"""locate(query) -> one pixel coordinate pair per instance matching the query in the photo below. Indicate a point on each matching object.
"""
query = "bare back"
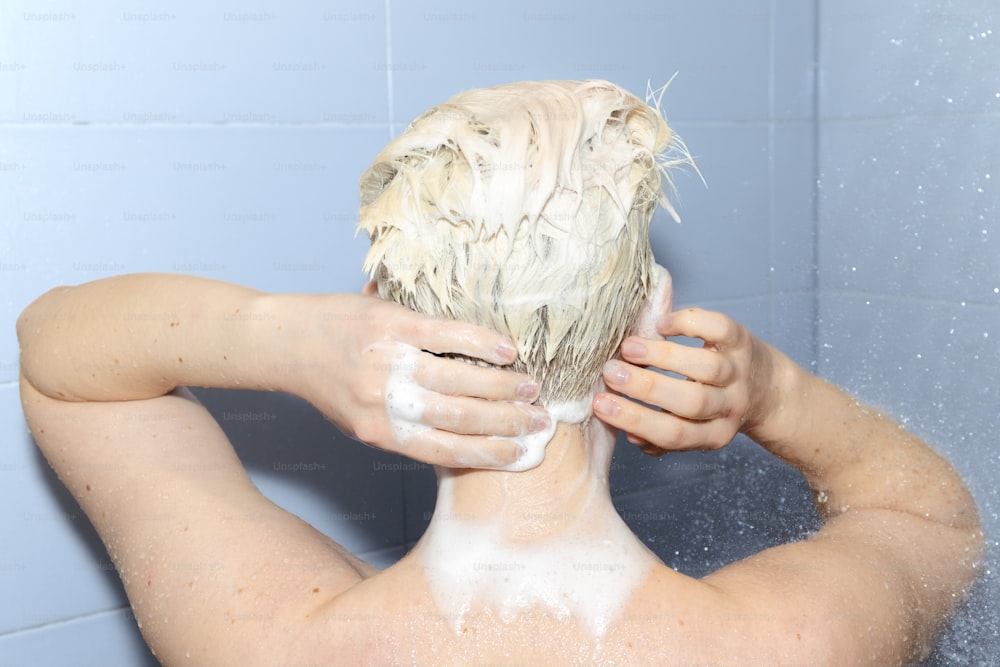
(280, 592)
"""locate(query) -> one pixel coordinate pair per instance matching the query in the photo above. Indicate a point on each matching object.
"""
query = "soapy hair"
(525, 208)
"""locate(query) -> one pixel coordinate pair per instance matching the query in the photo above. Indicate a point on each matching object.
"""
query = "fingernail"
(507, 352)
(539, 423)
(633, 348)
(527, 391)
(615, 373)
(605, 406)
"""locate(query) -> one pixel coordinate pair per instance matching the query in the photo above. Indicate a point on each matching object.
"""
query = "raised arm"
(212, 568)
(901, 537)
(853, 456)
(140, 336)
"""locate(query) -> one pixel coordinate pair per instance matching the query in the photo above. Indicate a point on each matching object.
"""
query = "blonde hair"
(525, 208)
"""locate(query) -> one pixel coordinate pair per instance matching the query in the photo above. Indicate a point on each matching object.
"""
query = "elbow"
(29, 322)
(36, 327)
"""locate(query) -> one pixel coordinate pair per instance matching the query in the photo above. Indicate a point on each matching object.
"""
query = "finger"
(471, 416)
(459, 378)
(635, 440)
(370, 288)
(699, 364)
(661, 430)
(450, 337)
(709, 326)
(451, 450)
(691, 400)
(651, 450)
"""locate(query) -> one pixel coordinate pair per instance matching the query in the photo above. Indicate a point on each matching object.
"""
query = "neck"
(541, 503)
(549, 537)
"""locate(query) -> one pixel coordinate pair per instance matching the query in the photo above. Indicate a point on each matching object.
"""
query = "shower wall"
(909, 245)
(226, 141)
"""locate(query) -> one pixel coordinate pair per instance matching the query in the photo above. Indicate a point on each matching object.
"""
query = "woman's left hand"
(703, 409)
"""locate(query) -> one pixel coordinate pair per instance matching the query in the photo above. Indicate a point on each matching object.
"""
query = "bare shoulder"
(212, 568)
(672, 620)
(870, 588)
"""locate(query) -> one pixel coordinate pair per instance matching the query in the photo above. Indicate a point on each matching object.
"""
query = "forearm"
(140, 336)
(852, 456)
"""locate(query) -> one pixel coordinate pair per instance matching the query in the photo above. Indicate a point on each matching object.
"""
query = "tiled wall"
(225, 139)
(909, 243)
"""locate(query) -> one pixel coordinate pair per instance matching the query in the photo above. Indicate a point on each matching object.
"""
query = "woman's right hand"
(372, 368)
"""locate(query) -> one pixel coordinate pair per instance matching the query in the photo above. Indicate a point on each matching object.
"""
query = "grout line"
(195, 124)
(389, 82)
(963, 116)
(290, 124)
(850, 293)
(771, 170)
(816, 166)
(732, 300)
(65, 621)
(914, 300)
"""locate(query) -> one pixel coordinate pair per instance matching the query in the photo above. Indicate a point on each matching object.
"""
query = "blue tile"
(272, 207)
(907, 207)
(794, 59)
(452, 47)
(298, 459)
(793, 327)
(793, 197)
(722, 248)
(887, 59)
(228, 62)
(419, 497)
(721, 507)
(109, 638)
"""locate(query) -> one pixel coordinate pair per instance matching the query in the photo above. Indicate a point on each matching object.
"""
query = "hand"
(382, 384)
(704, 411)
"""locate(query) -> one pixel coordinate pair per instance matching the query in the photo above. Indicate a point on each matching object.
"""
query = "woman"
(523, 209)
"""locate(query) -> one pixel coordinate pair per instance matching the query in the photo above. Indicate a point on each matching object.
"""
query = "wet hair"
(525, 208)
